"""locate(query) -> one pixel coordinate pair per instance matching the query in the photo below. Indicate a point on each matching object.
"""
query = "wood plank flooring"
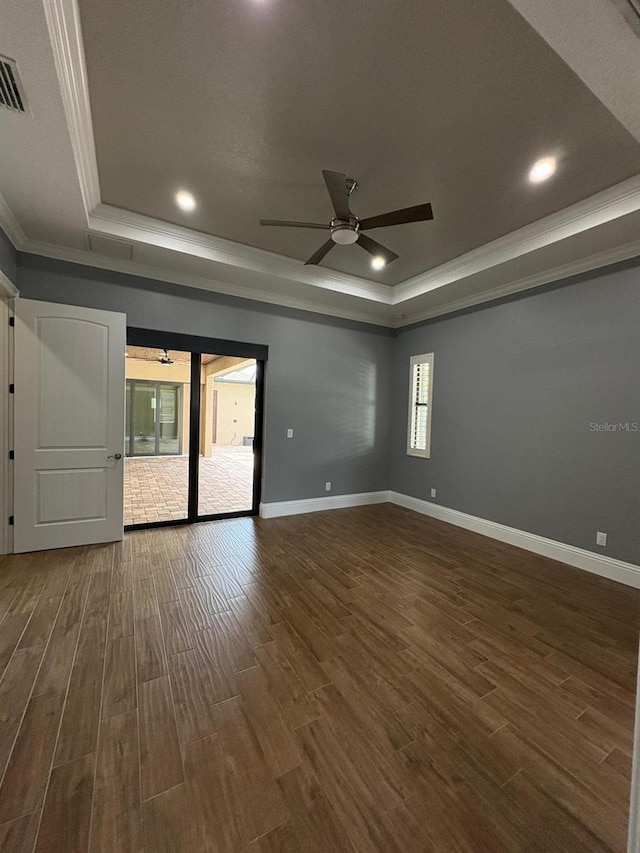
(364, 680)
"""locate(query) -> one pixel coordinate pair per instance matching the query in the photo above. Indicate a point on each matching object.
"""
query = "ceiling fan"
(164, 358)
(347, 228)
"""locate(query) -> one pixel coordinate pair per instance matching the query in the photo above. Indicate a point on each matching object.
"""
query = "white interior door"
(69, 425)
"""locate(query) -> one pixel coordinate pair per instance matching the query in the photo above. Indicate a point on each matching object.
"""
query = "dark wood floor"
(360, 680)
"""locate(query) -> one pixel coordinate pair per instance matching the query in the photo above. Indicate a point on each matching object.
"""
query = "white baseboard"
(279, 508)
(616, 570)
(598, 564)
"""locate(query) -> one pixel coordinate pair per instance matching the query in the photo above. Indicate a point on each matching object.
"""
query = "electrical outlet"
(433, 493)
(289, 433)
(601, 539)
(327, 486)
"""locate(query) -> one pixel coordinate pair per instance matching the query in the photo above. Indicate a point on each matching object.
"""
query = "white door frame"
(8, 291)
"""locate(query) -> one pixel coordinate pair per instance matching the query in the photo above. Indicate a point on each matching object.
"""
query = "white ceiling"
(51, 195)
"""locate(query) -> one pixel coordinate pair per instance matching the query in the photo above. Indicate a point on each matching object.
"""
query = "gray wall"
(328, 379)
(8, 258)
(516, 387)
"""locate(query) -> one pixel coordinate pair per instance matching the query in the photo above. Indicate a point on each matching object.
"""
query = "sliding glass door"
(228, 414)
(193, 429)
(153, 424)
(156, 468)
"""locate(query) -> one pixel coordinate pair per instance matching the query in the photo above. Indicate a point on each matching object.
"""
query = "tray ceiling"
(243, 103)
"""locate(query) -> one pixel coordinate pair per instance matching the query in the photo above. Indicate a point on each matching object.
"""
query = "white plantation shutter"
(420, 392)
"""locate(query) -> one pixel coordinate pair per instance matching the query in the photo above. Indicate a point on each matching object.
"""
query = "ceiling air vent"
(11, 93)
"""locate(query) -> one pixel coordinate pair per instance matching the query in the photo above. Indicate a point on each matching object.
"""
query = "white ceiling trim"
(563, 271)
(65, 34)
(620, 200)
(93, 259)
(612, 203)
(10, 225)
(593, 262)
(145, 229)
(7, 288)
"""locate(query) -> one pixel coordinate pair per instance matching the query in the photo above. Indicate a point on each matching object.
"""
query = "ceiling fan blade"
(419, 213)
(322, 251)
(337, 185)
(375, 248)
(284, 223)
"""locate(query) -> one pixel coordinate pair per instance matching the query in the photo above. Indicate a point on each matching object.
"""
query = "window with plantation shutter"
(420, 392)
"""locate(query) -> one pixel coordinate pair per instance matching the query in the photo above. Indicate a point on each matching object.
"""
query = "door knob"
(115, 456)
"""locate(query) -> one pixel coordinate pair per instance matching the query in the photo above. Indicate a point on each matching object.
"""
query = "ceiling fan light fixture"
(345, 229)
(344, 235)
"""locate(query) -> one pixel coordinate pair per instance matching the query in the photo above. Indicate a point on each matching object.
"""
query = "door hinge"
(12, 455)
(11, 521)
(12, 321)
(11, 388)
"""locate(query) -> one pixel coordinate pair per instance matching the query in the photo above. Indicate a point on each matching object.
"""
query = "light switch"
(289, 433)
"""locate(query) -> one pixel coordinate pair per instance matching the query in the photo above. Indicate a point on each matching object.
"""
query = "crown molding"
(620, 200)
(11, 226)
(583, 265)
(136, 227)
(130, 267)
(65, 35)
(7, 288)
(612, 203)
(92, 259)
(17, 236)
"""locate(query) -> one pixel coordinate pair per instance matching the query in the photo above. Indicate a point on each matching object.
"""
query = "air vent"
(109, 246)
(11, 93)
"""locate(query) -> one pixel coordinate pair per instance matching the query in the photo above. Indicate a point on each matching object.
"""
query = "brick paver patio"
(155, 487)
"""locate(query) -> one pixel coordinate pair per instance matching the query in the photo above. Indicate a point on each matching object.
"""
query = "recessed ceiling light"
(378, 262)
(185, 200)
(542, 169)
